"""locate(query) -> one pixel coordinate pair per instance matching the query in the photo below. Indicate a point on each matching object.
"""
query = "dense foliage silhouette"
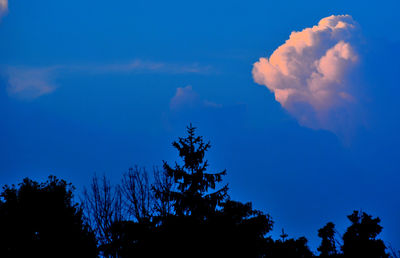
(288, 248)
(328, 242)
(41, 220)
(360, 238)
(181, 212)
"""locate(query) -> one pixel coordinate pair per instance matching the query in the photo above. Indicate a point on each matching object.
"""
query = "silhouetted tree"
(205, 223)
(283, 235)
(42, 220)
(193, 183)
(328, 245)
(103, 208)
(139, 197)
(360, 238)
(238, 230)
(162, 189)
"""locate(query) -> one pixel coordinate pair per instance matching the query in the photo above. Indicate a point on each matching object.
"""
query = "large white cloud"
(311, 73)
(3, 7)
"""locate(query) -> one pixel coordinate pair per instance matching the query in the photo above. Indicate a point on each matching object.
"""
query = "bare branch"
(103, 207)
(139, 198)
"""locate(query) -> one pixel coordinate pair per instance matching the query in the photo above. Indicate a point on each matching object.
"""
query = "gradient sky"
(99, 86)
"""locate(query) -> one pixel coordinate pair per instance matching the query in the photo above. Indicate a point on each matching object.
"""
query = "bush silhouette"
(41, 220)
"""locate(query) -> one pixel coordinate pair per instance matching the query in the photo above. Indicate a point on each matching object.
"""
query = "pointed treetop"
(193, 183)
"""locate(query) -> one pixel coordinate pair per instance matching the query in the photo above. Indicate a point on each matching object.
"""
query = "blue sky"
(99, 86)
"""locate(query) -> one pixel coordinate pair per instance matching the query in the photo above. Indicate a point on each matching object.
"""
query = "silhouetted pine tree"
(204, 222)
(193, 183)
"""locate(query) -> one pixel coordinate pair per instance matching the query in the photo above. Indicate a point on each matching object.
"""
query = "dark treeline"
(183, 211)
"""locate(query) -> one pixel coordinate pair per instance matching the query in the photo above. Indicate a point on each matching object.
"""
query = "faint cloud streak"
(140, 66)
(32, 82)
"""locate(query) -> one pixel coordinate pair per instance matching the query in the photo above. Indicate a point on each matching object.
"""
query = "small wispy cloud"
(30, 83)
(188, 105)
(3, 7)
(186, 98)
(33, 82)
(311, 73)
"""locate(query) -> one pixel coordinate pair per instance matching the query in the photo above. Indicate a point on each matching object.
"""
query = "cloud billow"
(311, 73)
